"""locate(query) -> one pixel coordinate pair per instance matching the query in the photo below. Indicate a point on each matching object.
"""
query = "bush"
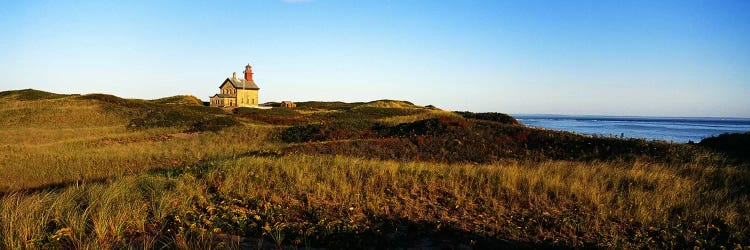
(203, 109)
(282, 112)
(180, 100)
(272, 104)
(370, 113)
(327, 105)
(303, 133)
(491, 116)
(347, 123)
(192, 120)
(734, 145)
(457, 140)
(276, 116)
(213, 124)
(168, 118)
(436, 126)
(110, 99)
(365, 115)
(327, 132)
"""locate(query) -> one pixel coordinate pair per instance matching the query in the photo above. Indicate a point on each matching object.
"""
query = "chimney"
(234, 75)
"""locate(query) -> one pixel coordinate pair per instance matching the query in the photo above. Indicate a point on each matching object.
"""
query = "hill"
(30, 94)
(187, 100)
(99, 171)
(38, 109)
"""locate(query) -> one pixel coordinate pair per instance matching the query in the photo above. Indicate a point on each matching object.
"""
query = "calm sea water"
(651, 128)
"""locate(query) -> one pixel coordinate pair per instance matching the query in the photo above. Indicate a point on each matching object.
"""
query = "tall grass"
(93, 183)
(91, 157)
(427, 114)
(70, 140)
(302, 199)
(68, 112)
(576, 203)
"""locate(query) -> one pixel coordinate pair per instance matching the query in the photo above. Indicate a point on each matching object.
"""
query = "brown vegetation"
(75, 173)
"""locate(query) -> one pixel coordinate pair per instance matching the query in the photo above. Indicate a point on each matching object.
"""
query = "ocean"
(675, 129)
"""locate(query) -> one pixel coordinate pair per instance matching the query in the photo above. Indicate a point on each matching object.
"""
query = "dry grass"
(561, 203)
(93, 184)
(68, 112)
(95, 156)
(388, 104)
(68, 140)
(428, 114)
(598, 197)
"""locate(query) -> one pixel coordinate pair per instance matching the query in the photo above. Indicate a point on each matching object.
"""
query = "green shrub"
(203, 109)
(110, 99)
(178, 111)
(328, 131)
(271, 104)
(364, 114)
(168, 118)
(213, 124)
(370, 113)
(456, 140)
(188, 100)
(491, 116)
(276, 116)
(303, 133)
(436, 126)
(184, 118)
(734, 145)
(313, 105)
(281, 112)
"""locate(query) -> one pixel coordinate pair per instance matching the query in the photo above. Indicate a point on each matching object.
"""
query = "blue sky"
(653, 58)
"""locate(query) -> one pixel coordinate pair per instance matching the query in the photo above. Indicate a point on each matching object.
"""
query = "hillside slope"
(38, 109)
(97, 171)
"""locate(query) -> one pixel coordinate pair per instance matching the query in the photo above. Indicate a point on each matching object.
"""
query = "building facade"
(288, 104)
(237, 92)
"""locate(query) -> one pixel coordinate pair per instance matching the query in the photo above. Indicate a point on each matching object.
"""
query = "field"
(101, 172)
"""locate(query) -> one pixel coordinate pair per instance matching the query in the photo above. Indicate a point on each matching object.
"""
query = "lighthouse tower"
(249, 73)
(237, 92)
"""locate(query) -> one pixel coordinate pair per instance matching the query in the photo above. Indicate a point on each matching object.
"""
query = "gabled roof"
(223, 96)
(240, 83)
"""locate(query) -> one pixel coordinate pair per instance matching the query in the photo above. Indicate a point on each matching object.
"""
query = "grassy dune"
(99, 172)
(73, 139)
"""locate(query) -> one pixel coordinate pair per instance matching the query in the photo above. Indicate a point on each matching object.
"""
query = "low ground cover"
(75, 173)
